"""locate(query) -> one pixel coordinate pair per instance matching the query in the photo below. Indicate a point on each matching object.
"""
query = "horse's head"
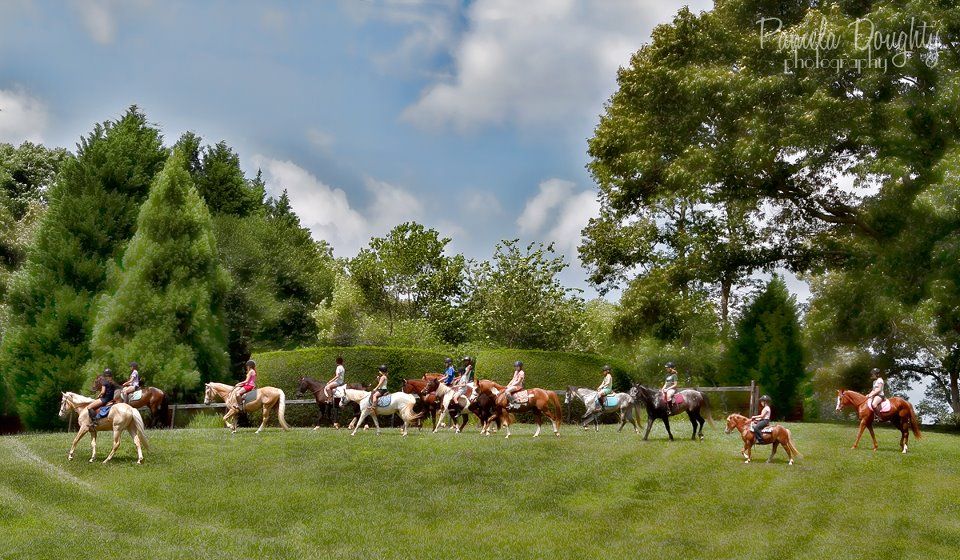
(208, 394)
(303, 386)
(432, 385)
(733, 423)
(636, 392)
(569, 395)
(64, 405)
(841, 399)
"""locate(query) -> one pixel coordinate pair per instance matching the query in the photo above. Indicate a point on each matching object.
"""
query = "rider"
(336, 380)
(669, 385)
(875, 396)
(605, 388)
(248, 384)
(131, 385)
(450, 372)
(516, 384)
(379, 389)
(107, 391)
(466, 377)
(762, 420)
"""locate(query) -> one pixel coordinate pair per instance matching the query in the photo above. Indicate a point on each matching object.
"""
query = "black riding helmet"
(251, 363)
(875, 372)
(108, 373)
(382, 368)
(448, 361)
(134, 365)
(670, 365)
(467, 359)
(518, 363)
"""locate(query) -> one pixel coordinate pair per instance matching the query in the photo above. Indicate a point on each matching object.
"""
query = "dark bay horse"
(900, 413)
(428, 404)
(693, 402)
(328, 406)
(151, 398)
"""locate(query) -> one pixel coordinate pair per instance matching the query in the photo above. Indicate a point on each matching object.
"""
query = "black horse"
(693, 402)
(329, 407)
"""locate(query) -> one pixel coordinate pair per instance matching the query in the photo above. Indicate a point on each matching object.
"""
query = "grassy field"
(304, 494)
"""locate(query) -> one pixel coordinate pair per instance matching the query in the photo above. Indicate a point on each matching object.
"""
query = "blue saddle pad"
(384, 401)
(135, 396)
(104, 411)
(611, 401)
(250, 397)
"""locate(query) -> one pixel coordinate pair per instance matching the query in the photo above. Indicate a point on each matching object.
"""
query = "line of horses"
(430, 397)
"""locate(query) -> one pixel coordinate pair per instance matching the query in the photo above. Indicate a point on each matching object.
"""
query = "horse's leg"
(436, 424)
(623, 421)
(631, 412)
(359, 421)
(539, 418)
(73, 446)
(93, 445)
(136, 442)
(507, 425)
(649, 425)
(773, 451)
(264, 416)
(863, 426)
(693, 421)
(873, 436)
(666, 422)
(376, 421)
(748, 451)
(117, 431)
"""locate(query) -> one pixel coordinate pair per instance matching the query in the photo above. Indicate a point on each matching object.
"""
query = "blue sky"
(471, 117)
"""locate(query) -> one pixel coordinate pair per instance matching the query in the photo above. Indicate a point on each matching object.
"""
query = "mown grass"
(304, 494)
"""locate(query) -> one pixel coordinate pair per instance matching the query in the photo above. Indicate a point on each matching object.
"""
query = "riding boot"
(93, 418)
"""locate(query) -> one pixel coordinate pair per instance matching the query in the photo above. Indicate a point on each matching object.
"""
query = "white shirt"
(878, 387)
(339, 375)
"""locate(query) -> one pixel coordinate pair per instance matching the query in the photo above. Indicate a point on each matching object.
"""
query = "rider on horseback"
(464, 380)
(875, 396)
(131, 385)
(669, 385)
(516, 384)
(379, 389)
(450, 372)
(248, 384)
(761, 420)
(605, 388)
(337, 379)
(107, 391)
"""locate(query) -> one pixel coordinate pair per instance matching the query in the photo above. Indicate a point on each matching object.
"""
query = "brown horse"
(151, 398)
(777, 436)
(901, 414)
(540, 402)
(491, 389)
(325, 404)
(428, 398)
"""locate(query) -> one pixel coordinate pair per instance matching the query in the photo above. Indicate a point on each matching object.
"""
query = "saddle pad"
(522, 396)
(384, 400)
(104, 411)
(884, 406)
(136, 395)
(767, 430)
(678, 399)
(250, 397)
(611, 401)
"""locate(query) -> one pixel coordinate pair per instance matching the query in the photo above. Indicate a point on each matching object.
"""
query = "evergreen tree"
(92, 213)
(221, 183)
(166, 306)
(768, 348)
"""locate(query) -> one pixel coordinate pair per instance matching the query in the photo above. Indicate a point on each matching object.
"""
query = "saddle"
(677, 400)
(384, 401)
(763, 438)
(250, 396)
(884, 406)
(103, 412)
(134, 396)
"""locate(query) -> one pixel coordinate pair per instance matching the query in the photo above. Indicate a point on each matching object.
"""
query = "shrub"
(554, 370)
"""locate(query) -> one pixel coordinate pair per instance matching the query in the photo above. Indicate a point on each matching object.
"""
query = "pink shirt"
(517, 380)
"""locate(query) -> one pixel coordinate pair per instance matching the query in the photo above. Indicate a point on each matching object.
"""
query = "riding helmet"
(134, 365)
(875, 371)
(251, 363)
(382, 368)
(107, 372)
(670, 365)
(606, 368)
(518, 363)
(448, 360)
(765, 398)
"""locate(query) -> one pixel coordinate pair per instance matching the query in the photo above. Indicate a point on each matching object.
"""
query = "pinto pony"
(540, 402)
(267, 399)
(901, 414)
(778, 436)
(121, 417)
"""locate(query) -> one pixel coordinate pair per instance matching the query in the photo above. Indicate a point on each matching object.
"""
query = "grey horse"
(626, 407)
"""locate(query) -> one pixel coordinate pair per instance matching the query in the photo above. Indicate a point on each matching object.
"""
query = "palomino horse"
(778, 436)
(400, 403)
(267, 398)
(900, 413)
(121, 417)
(625, 407)
(150, 397)
(328, 406)
(693, 402)
(540, 402)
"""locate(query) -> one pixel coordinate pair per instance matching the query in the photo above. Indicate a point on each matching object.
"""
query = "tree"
(516, 300)
(224, 188)
(165, 309)
(26, 173)
(768, 348)
(91, 215)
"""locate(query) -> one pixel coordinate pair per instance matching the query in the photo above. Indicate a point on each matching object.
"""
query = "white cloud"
(538, 62)
(98, 19)
(327, 211)
(320, 139)
(482, 203)
(22, 117)
(557, 213)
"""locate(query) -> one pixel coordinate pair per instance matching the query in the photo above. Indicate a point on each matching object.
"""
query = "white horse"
(400, 403)
(625, 407)
(446, 394)
(121, 417)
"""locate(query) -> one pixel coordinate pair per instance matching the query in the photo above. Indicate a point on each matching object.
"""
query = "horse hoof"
(746, 462)
(91, 459)
(790, 462)
(315, 428)
(69, 457)
(140, 461)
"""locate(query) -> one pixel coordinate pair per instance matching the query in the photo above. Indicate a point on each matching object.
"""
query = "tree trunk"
(725, 287)
(954, 392)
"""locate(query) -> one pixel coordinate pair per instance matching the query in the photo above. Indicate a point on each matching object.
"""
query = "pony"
(540, 402)
(150, 397)
(778, 436)
(400, 403)
(449, 405)
(693, 402)
(326, 406)
(625, 407)
(121, 417)
(266, 397)
(485, 408)
(428, 398)
(901, 414)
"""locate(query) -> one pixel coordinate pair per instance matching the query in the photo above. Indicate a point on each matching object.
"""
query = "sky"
(469, 117)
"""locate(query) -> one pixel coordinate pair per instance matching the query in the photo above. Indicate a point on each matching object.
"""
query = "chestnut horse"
(493, 390)
(901, 414)
(267, 398)
(540, 402)
(777, 436)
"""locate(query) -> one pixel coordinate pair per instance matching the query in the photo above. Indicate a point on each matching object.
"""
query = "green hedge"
(554, 370)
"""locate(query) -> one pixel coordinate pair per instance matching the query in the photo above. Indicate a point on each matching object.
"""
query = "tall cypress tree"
(165, 308)
(768, 347)
(92, 214)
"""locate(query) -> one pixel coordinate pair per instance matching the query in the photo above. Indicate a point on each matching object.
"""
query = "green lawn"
(305, 494)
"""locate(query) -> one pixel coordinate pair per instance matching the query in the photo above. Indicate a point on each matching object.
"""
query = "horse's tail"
(164, 410)
(914, 422)
(141, 430)
(790, 445)
(407, 413)
(708, 413)
(281, 410)
(557, 406)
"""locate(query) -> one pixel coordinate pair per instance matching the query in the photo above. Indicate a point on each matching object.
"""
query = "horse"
(400, 402)
(150, 397)
(418, 387)
(693, 402)
(326, 406)
(266, 397)
(625, 407)
(901, 414)
(449, 406)
(485, 408)
(540, 402)
(778, 435)
(121, 417)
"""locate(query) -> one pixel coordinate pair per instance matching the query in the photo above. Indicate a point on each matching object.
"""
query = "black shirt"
(108, 391)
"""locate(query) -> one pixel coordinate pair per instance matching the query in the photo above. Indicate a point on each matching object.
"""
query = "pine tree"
(768, 348)
(92, 214)
(166, 306)
(221, 183)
